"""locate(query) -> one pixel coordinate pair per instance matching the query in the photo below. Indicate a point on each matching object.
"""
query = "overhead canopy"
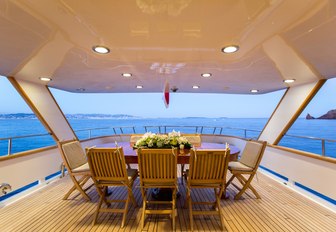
(174, 41)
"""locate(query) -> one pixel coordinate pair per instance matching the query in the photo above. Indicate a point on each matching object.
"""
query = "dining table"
(183, 157)
(131, 157)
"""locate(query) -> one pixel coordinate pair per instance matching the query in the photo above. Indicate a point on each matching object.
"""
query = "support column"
(288, 110)
(290, 64)
(43, 104)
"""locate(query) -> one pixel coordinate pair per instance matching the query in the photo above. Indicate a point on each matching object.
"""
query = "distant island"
(71, 116)
(331, 114)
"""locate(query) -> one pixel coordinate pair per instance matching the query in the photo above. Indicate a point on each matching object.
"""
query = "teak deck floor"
(279, 209)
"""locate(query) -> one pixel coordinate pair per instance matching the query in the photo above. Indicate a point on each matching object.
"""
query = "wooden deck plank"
(280, 209)
(299, 210)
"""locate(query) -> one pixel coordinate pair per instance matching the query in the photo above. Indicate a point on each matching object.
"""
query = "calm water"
(312, 128)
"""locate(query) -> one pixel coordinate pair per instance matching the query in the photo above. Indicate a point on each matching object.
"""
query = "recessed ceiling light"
(126, 74)
(80, 89)
(45, 79)
(289, 80)
(206, 74)
(254, 91)
(230, 49)
(101, 49)
(195, 87)
(139, 86)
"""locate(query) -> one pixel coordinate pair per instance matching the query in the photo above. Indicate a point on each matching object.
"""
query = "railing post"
(323, 147)
(9, 146)
(245, 134)
(122, 132)
(133, 130)
(221, 130)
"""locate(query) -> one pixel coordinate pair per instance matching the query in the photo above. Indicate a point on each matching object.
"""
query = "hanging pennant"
(166, 94)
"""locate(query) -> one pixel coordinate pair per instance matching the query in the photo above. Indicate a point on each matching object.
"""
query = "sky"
(150, 105)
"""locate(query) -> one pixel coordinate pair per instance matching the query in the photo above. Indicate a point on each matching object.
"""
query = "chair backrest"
(72, 153)
(208, 166)
(107, 164)
(253, 153)
(134, 138)
(157, 166)
(194, 139)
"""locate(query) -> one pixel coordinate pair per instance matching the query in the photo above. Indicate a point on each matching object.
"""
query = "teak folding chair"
(158, 169)
(207, 169)
(75, 161)
(108, 168)
(247, 165)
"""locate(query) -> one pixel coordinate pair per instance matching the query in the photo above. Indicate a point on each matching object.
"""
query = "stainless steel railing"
(240, 132)
(10, 140)
(322, 140)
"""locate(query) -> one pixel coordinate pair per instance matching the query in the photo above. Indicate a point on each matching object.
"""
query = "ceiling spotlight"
(206, 74)
(80, 89)
(101, 49)
(289, 80)
(126, 74)
(230, 49)
(45, 79)
(139, 87)
(195, 87)
(254, 91)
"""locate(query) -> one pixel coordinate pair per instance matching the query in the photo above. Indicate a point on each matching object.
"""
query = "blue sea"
(302, 127)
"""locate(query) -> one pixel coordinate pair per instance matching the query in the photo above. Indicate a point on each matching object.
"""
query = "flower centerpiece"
(173, 139)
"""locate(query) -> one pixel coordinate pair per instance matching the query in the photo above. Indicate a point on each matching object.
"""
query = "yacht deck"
(280, 209)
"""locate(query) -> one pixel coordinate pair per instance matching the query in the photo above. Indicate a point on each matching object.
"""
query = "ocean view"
(302, 127)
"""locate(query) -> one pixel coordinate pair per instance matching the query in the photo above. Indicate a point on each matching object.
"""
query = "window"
(20, 130)
(93, 115)
(319, 130)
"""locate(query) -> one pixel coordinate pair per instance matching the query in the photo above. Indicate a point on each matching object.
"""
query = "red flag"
(166, 94)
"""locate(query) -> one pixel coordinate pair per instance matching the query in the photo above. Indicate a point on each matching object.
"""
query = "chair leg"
(81, 182)
(78, 185)
(220, 211)
(131, 193)
(190, 213)
(187, 198)
(125, 210)
(103, 191)
(102, 198)
(182, 171)
(230, 180)
(246, 185)
(132, 198)
(173, 208)
(250, 185)
(143, 208)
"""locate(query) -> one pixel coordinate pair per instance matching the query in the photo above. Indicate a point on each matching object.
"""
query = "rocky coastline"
(331, 114)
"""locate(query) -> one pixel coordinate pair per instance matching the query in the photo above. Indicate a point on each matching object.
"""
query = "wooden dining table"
(183, 158)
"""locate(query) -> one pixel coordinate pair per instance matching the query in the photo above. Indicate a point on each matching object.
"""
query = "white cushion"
(74, 154)
(82, 168)
(238, 166)
(251, 153)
